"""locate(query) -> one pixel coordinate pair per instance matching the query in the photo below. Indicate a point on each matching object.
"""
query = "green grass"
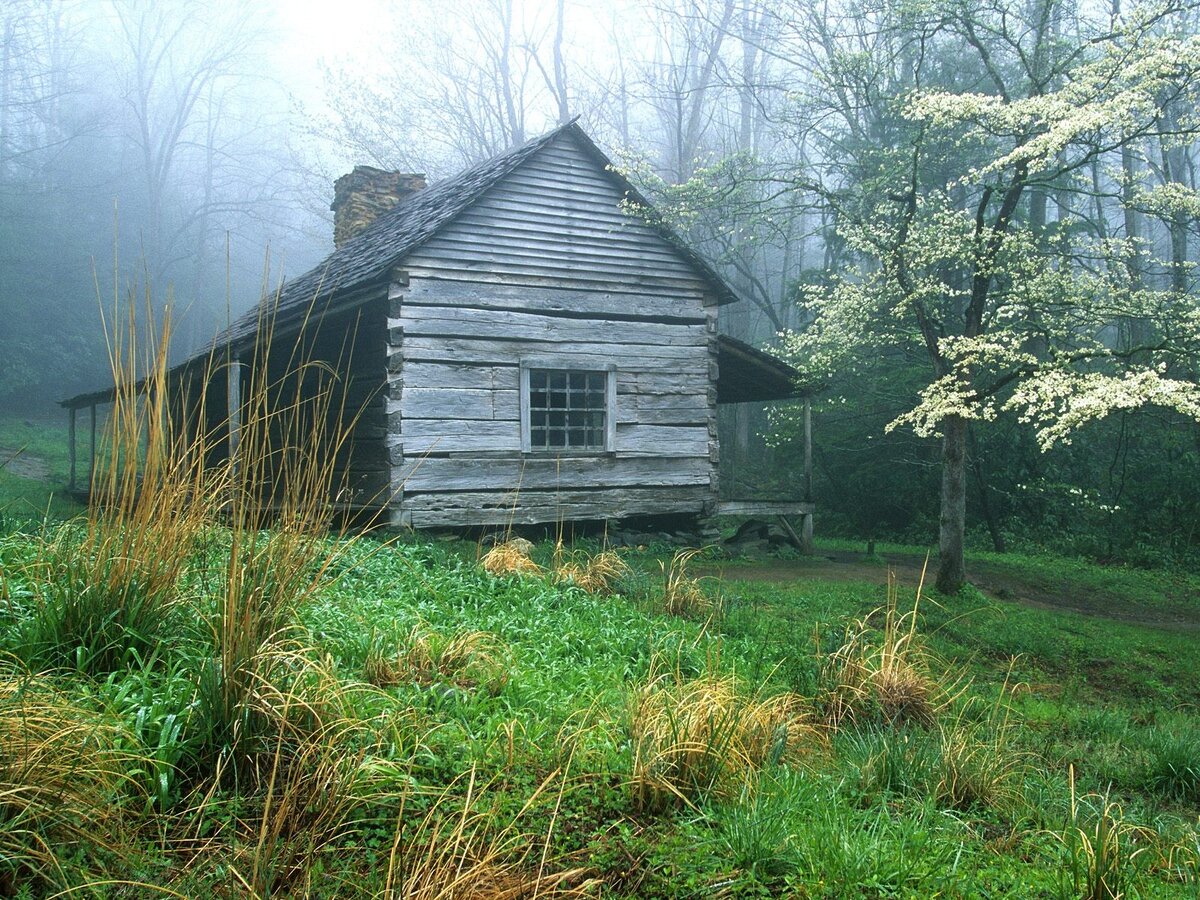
(26, 499)
(514, 755)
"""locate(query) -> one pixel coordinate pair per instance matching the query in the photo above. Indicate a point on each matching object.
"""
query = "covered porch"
(748, 375)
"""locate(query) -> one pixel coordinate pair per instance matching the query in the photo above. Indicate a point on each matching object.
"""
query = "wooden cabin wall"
(546, 267)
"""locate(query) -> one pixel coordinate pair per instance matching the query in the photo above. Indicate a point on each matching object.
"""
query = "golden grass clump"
(62, 772)
(511, 558)
(104, 587)
(310, 797)
(978, 766)
(706, 737)
(466, 853)
(468, 659)
(682, 593)
(885, 674)
(596, 573)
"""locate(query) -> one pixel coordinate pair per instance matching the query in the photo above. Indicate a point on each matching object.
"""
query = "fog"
(184, 152)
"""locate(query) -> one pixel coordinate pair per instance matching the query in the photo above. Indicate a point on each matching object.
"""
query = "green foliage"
(966, 805)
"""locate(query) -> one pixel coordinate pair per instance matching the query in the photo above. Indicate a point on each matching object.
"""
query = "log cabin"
(520, 343)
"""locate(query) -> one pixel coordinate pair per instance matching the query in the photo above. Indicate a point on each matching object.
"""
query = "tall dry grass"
(682, 593)
(597, 573)
(184, 488)
(107, 586)
(476, 854)
(63, 771)
(708, 737)
(884, 673)
(466, 659)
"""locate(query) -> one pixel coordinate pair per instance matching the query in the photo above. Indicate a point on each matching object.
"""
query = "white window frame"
(562, 364)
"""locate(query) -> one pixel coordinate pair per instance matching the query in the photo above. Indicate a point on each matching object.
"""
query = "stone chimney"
(360, 197)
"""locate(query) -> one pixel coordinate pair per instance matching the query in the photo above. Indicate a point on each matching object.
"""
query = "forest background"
(972, 225)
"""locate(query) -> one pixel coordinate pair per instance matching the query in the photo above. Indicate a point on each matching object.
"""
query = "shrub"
(63, 771)
(597, 573)
(889, 761)
(1103, 850)
(511, 558)
(978, 766)
(462, 847)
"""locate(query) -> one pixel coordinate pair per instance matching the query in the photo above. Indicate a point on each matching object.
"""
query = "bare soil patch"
(997, 580)
(24, 465)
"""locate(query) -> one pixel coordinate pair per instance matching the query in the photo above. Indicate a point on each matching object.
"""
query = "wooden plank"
(527, 507)
(628, 416)
(610, 403)
(791, 533)
(464, 376)
(502, 203)
(447, 403)
(696, 402)
(533, 299)
(689, 360)
(445, 435)
(436, 474)
(492, 323)
(653, 383)
(418, 269)
(678, 439)
(422, 435)
(764, 508)
(542, 175)
(533, 228)
(602, 249)
(525, 423)
(541, 270)
(562, 170)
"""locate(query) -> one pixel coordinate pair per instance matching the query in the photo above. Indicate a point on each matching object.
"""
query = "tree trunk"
(951, 571)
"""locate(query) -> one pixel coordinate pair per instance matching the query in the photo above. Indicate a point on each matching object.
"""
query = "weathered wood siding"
(548, 268)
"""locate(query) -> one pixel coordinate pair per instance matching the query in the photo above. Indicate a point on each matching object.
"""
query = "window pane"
(567, 409)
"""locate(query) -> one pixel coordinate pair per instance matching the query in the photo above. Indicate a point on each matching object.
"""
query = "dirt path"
(999, 581)
(23, 465)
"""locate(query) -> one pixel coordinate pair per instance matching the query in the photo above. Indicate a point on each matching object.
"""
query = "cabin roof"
(366, 261)
(747, 374)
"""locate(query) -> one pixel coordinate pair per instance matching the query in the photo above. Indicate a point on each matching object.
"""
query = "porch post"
(71, 447)
(92, 453)
(233, 381)
(808, 475)
(806, 521)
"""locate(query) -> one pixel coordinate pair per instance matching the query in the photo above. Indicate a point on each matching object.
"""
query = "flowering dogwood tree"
(945, 131)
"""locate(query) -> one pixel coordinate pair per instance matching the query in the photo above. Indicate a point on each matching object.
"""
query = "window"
(567, 409)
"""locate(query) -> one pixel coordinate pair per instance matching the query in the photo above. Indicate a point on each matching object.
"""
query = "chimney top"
(361, 196)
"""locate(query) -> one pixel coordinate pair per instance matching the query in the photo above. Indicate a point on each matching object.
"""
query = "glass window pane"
(567, 409)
